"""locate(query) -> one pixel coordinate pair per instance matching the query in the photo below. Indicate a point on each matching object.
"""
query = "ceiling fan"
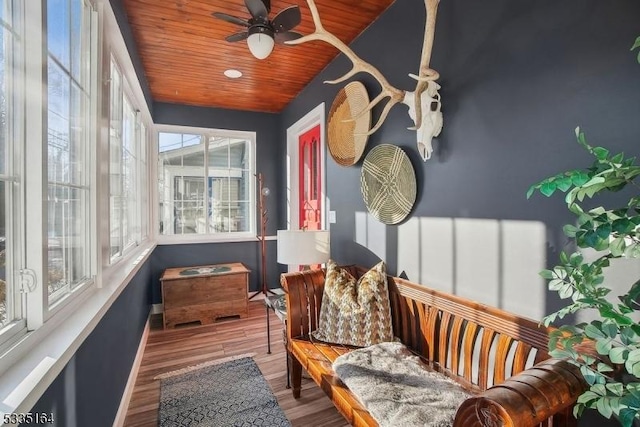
(262, 32)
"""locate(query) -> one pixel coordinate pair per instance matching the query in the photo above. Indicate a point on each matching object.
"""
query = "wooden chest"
(204, 293)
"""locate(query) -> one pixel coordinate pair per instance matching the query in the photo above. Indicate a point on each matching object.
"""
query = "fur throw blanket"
(396, 387)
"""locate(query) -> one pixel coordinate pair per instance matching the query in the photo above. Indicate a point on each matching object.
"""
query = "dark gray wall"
(89, 389)
(517, 77)
(268, 162)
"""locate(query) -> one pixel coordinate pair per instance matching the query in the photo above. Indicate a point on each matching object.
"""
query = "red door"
(310, 194)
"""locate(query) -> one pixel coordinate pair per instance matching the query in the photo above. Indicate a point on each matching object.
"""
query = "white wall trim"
(157, 308)
(188, 239)
(311, 119)
(133, 375)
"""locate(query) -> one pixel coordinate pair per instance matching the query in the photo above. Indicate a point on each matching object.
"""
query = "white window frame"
(139, 152)
(131, 235)
(13, 177)
(62, 296)
(38, 309)
(142, 135)
(208, 133)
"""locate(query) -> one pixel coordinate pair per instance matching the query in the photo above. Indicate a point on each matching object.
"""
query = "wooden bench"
(489, 352)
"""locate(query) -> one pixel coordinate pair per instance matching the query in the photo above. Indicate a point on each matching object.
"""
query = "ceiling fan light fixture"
(261, 32)
(260, 41)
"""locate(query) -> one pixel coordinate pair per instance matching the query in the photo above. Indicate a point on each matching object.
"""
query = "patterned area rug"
(233, 393)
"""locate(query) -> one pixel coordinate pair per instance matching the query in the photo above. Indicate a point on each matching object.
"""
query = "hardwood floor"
(178, 348)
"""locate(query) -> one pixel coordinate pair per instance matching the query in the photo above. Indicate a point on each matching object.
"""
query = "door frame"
(311, 119)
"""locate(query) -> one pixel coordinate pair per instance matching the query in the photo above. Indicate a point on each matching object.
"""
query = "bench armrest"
(303, 290)
(525, 400)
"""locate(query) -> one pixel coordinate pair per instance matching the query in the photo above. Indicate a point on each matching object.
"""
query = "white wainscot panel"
(371, 233)
(477, 248)
(523, 257)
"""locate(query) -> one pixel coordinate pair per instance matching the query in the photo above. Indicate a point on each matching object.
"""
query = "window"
(127, 166)
(54, 129)
(70, 136)
(206, 183)
(51, 69)
(11, 134)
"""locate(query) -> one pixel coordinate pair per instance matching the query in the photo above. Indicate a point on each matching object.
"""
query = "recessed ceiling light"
(233, 74)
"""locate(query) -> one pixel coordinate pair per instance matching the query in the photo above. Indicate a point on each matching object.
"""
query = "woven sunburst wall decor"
(388, 183)
(349, 122)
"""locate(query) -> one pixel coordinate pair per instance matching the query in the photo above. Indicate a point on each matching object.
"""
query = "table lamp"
(303, 247)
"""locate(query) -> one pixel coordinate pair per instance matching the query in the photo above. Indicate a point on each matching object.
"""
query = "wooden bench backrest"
(475, 344)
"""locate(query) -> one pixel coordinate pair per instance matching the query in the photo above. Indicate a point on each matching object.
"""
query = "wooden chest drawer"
(204, 294)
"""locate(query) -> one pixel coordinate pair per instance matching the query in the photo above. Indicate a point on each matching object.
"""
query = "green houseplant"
(607, 350)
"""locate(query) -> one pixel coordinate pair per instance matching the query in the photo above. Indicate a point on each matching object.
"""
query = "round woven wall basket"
(388, 183)
(346, 136)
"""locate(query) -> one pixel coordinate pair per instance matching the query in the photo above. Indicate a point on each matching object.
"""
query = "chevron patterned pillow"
(355, 312)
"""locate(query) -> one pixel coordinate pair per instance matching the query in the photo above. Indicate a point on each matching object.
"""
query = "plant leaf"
(610, 328)
(617, 247)
(618, 158)
(580, 137)
(604, 407)
(564, 183)
(530, 191)
(579, 178)
(604, 230)
(565, 291)
(634, 356)
(618, 354)
(592, 331)
(548, 188)
(632, 251)
(603, 346)
(589, 376)
(626, 417)
(547, 274)
(570, 230)
(601, 153)
(622, 226)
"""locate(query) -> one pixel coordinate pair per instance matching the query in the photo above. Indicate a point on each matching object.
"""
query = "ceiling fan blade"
(286, 19)
(257, 9)
(230, 18)
(237, 36)
(286, 36)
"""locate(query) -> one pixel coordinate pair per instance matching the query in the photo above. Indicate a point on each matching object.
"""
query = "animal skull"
(431, 123)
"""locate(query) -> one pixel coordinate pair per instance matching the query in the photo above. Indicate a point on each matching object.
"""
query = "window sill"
(29, 367)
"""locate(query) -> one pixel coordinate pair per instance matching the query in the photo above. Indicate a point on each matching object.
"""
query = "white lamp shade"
(260, 45)
(298, 247)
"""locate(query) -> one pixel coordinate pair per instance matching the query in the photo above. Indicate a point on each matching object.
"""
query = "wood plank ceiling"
(184, 52)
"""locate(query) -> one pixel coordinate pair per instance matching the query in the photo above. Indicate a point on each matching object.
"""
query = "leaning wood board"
(204, 293)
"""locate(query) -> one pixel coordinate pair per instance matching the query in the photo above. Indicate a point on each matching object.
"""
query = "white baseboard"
(131, 382)
(157, 309)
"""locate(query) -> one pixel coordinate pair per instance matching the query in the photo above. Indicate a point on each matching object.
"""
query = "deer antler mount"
(423, 102)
